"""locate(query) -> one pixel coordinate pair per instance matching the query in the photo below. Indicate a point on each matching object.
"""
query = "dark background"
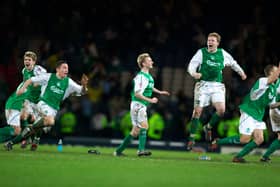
(104, 38)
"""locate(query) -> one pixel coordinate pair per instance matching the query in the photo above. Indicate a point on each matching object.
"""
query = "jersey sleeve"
(259, 88)
(38, 70)
(195, 62)
(229, 61)
(140, 83)
(73, 89)
(41, 79)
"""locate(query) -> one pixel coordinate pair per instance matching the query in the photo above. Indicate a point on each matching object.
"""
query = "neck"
(146, 70)
(212, 51)
(58, 76)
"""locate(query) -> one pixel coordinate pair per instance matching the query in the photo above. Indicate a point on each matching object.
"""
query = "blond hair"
(216, 35)
(30, 54)
(141, 58)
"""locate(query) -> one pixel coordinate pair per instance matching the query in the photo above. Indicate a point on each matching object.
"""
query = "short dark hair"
(60, 62)
(268, 69)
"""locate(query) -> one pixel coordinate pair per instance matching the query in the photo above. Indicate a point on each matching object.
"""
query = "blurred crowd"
(103, 39)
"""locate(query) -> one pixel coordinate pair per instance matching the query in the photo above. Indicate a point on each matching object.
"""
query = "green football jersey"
(139, 81)
(212, 65)
(55, 90)
(15, 102)
(34, 91)
(256, 106)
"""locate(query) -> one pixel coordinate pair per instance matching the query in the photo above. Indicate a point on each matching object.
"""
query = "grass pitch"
(75, 167)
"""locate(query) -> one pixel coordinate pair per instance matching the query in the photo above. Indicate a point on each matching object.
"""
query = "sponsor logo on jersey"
(56, 90)
(212, 63)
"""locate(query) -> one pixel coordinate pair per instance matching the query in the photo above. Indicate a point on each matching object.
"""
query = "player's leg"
(218, 100)
(127, 140)
(201, 99)
(142, 123)
(30, 130)
(134, 109)
(194, 126)
(274, 145)
(13, 125)
(257, 140)
(27, 118)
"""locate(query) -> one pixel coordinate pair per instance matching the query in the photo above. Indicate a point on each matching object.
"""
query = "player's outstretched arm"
(161, 92)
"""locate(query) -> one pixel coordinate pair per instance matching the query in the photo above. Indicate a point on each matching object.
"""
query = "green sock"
(229, 140)
(24, 123)
(7, 131)
(214, 119)
(4, 138)
(38, 124)
(273, 147)
(17, 139)
(124, 144)
(193, 129)
(37, 136)
(142, 139)
(25, 133)
(247, 149)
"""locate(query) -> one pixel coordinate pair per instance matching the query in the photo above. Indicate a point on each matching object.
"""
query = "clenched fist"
(84, 80)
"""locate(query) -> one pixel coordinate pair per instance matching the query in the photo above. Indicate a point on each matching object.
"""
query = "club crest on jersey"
(270, 96)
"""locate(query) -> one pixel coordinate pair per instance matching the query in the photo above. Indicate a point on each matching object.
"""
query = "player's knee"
(220, 112)
(49, 121)
(135, 131)
(259, 140)
(245, 139)
(278, 135)
(17, 130)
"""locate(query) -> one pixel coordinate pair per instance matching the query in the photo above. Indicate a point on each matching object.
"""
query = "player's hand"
(84, 80)
(243, 76)
(197, 75)
(154, 100)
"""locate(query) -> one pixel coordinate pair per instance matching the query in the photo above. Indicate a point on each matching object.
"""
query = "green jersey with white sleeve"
(261, 95)
(143, 83)
(211, 65)
(54, 90)
(33, 91)
(15, 102)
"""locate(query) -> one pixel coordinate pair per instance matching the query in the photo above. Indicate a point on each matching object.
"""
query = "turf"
(75, 167)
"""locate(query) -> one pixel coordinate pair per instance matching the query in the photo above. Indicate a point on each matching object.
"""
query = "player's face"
(148, 63)
(212, 44)
(274, 70)
(62, 70)
(28, 63)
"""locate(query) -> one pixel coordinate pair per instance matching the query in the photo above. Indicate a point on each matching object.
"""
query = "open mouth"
(27, 65)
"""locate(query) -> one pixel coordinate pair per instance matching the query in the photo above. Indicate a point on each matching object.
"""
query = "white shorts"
(207, 92)
(46, 110)
(274, 115)
(13, 117)
(247, 124)
(31, 108)
(138, 113)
